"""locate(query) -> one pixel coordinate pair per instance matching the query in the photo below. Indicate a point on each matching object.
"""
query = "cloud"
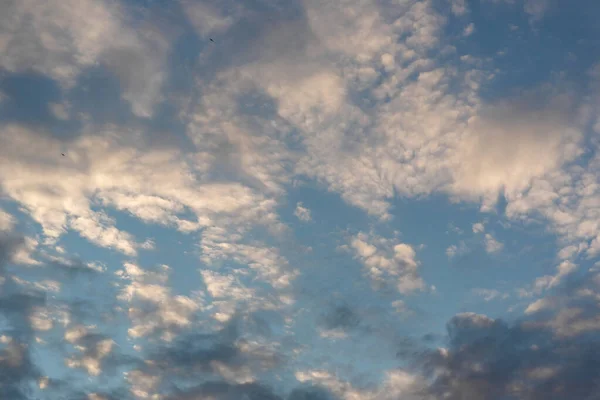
(478, 228)
(395, 384)
(154, 185)
(459, 7)
(490, 294)
(93, 350)
(340, 317)
(17, 369)
(7, 221)
(367, 100)
(497, 153)
(457, 250)
(207, 18)
(302, 213)
(386, 259)
(469, 29)
(491, 244)
(61, 39)
(59, 111)
(225, 359)
(536, 8)
(152, 309)
(542, 283)
(527, 359)
(226, 391)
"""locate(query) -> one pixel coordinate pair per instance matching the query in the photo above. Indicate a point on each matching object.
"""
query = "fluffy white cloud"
(478, 227)
(91, 358)
(469, 29)
(386, 259)
(7, 221)
(155, 185)
(491, 244)
(151, 306)
(41, 319)
(497, 153)
(207, 18)
(302, 213)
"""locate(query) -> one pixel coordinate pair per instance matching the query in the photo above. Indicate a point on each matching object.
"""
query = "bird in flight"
(212, 40)
(63, 154)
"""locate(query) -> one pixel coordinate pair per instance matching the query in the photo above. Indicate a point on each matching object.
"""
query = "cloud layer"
(225, 200)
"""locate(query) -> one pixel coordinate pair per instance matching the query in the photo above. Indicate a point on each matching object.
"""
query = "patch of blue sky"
(556, 49)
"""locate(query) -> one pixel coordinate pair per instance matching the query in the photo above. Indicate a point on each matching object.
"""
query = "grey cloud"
(249, 391)
(197, 352)
(9, 243)
(527, 360)
(17, 369)
(340, 317)
(226, 391)
(310, 393)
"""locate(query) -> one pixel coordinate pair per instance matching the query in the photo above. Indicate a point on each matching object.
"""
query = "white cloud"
(152, 184)
(457, 250)
(478, 228)
(43, 382)
(7, 221)
(59, 110)
(40, 319)
(142, 384)
(497, 151)
(537, 305)
(542, 373)
(146, 289)
(459, 7)
(396, 384)
(61, 38)
(536, 8)
(471, 318)
(24, 253)
(95, 396)
(469, 29)
(44, 285)
(91, 358)
(545, 282)
(491, 244)
(207, 19)
(490, 294)
(75, 333)
(229, 293)
(302, 213)
(386, 259)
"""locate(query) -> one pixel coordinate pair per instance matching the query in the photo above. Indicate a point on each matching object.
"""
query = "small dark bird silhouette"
(212, 40)
(63, 154)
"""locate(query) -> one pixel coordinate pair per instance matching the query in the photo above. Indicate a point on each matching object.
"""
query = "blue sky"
(301, 200)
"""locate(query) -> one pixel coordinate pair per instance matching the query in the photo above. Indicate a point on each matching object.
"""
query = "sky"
(299, 200)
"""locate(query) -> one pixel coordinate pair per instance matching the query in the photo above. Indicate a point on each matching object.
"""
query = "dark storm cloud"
(552, 355)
